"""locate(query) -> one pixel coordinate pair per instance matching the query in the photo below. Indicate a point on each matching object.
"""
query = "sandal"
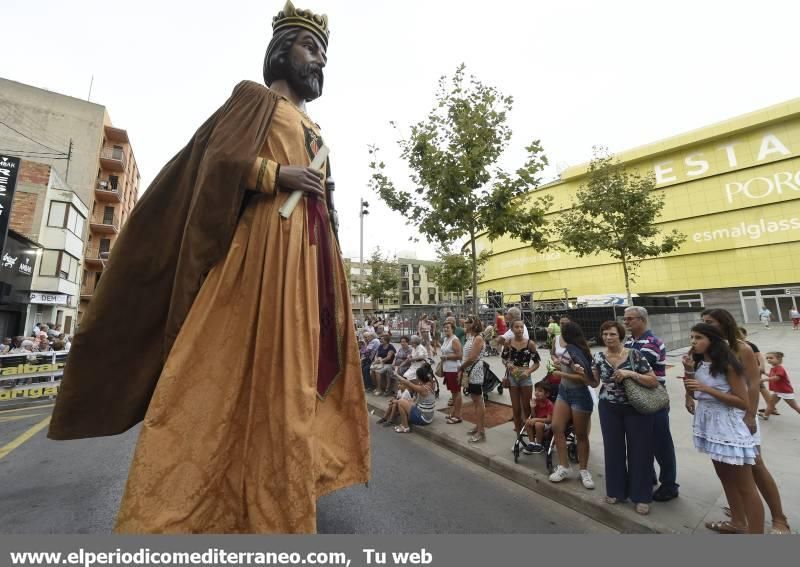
(725, 527)
(642, 508)
(401, 429)
(780, 531)
(451, 420)
(780, 527)
(477, 437)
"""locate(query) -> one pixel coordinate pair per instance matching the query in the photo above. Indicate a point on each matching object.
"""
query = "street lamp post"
(363, 210)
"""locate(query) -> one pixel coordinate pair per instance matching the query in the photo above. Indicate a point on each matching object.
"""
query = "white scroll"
(319, 160)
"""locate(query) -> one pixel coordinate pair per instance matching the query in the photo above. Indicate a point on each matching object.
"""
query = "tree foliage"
(616, 213)
(453, 274)
(383, 280)
(459, 191)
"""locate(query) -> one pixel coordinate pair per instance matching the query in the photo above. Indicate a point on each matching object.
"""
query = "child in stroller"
(547, 390)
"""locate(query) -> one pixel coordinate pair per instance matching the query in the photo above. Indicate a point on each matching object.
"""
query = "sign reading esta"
(698, 164)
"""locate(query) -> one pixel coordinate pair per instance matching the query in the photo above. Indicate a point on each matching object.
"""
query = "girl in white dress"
(714, 377)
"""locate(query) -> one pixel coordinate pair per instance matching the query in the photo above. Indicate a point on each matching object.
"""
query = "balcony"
(113, 159)
(95, 259)
(104, 224)
(116, 135)
(87, 290)
(106, 192)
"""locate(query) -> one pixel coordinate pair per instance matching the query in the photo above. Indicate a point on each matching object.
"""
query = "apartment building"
(416, 286)
(47, 212)
(89, 153)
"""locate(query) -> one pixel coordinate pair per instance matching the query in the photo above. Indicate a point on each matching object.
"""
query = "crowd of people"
(44, 338)
(625, 382)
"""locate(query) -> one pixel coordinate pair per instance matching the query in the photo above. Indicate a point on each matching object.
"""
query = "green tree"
(453, 274)
(459, 189)
(383, 280)
(616, 212)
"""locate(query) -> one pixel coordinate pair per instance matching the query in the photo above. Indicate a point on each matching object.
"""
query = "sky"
(582, 73)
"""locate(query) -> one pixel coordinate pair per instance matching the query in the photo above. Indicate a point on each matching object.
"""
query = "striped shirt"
(426, 404)
(654, 350)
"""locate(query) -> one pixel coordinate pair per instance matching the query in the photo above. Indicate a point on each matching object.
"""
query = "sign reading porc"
(48, 298)
(780, 183)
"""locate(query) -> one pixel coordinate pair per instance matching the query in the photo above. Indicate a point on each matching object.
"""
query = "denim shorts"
(579, 399)
(415, 417)
(514, 383)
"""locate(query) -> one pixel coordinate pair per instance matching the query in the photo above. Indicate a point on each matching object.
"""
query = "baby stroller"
(490, 382)
(549, 441)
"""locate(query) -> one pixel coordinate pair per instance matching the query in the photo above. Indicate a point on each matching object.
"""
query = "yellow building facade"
(732, 188)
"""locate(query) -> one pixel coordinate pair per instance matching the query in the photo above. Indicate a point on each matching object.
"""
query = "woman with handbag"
(471, 370)
(574, 402)
(627, 433)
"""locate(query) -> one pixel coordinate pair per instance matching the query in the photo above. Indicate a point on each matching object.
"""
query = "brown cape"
(177, 232)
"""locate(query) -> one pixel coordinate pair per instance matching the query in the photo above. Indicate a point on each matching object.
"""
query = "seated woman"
(381, 364)
(400, 363)
(420, 411)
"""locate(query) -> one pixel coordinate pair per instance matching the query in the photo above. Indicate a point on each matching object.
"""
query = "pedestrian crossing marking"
(29, 408)
(7, 418)
(6, 449)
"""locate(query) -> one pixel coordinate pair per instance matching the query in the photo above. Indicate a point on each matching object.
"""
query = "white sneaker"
(559, 474)
(586, 479)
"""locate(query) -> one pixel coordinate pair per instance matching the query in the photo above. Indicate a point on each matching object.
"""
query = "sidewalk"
(701, 497)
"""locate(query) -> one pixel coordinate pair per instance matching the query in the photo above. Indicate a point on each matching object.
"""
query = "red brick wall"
(24, 208)
(22, 213)
(34, 173)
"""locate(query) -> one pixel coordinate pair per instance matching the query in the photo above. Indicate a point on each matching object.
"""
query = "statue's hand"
(295, 178)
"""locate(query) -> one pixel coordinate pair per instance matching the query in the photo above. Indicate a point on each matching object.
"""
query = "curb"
(593, 507)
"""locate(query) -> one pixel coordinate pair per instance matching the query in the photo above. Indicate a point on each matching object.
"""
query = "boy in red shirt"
(540, 419)
(779, 385)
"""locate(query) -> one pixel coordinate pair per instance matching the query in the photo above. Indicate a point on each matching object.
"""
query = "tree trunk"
(474, 275)
(627, 280)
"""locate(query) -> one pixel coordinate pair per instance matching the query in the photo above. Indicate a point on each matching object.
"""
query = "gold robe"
(237, 438)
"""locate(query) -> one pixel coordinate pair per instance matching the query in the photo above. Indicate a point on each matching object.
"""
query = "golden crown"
(292, 17)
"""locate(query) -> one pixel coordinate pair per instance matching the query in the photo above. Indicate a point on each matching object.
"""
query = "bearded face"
(298, 57)
(305, 78)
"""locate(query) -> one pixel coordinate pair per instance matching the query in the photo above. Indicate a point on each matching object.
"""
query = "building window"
(59, 264)
(405, 299)
(58, 214)
(688, 300)
(64, 215)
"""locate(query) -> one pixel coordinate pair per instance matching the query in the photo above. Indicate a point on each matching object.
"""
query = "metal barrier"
(30, 377)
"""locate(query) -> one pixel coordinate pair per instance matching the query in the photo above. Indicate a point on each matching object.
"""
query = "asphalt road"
(417, 487)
